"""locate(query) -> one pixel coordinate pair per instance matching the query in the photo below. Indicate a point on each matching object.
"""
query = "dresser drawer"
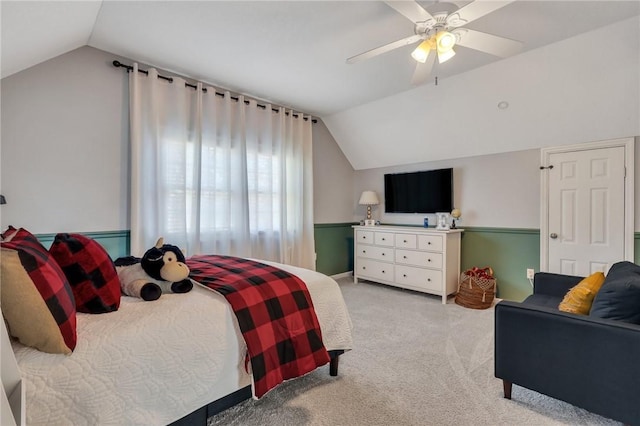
(430, 242)
(375, 252)
(364, 237)
(425, 279)
(384, 239)
(406, 241)
(369, 268)
(419, 258)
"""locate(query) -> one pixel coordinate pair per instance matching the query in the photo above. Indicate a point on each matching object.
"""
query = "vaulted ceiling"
(288, 53)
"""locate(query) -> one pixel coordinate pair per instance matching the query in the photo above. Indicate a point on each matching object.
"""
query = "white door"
(586, 210)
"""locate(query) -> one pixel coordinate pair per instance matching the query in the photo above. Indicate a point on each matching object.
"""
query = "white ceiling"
(291, 53)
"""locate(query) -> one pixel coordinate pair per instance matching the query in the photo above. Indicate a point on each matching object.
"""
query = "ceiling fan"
(440, 32)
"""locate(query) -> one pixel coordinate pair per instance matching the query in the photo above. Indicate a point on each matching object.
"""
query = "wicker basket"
(475, 292)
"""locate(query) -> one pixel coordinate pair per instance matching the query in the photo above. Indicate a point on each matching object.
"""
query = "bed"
(157, 362)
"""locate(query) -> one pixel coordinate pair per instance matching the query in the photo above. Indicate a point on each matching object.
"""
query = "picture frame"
(442, 221)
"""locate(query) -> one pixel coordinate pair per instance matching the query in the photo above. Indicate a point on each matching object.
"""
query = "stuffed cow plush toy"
(160, 270)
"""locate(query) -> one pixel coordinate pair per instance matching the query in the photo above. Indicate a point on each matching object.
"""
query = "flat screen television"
(427, 191)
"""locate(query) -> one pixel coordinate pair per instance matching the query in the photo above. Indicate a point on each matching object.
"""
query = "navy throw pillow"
(619, 296)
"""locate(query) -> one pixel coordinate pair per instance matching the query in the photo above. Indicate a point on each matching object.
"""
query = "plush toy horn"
(160, 242)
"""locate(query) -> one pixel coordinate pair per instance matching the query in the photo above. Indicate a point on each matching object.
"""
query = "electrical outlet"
(530, 273)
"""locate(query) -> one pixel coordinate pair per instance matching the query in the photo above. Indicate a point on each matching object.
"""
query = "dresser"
(420, 259)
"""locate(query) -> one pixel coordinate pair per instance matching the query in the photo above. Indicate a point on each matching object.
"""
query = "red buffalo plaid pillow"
(90, 271)
(37, 301)
(9, 233)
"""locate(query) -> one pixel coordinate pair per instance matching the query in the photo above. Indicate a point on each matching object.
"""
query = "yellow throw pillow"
(579, 298)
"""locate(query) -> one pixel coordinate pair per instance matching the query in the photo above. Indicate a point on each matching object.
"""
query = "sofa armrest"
(588, 362)
(554, 284)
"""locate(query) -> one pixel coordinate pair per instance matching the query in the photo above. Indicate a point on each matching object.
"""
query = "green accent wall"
(334, 247)
(509, 251)
(116, 243)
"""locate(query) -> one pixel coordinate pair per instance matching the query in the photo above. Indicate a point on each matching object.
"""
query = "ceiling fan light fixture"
(445, 41)
(445, 56)
(421, 53)
(441, 32)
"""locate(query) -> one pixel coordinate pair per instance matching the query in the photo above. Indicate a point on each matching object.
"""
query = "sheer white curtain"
(214, 175)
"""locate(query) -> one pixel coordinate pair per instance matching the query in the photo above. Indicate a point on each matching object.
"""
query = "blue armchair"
(589, 362)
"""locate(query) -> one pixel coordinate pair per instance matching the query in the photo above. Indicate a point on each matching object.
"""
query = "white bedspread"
(151, 363)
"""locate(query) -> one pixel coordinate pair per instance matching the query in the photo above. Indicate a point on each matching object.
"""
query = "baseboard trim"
(342, 275)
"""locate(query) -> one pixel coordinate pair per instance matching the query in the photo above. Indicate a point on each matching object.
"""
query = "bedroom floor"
(415, 362)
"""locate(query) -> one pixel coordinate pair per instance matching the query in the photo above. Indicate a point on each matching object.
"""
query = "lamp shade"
(369, 198)
(421, 53)
(445, 56)
(445, 41)
(444, 45)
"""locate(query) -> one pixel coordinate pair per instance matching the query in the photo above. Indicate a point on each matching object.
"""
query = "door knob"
(554, 235)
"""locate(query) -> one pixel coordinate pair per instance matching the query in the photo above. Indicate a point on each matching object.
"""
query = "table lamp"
(369, 198)
(455, 215)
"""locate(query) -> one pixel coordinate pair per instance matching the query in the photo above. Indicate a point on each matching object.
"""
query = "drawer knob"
(404, 257)
(428, 260)
(383, 239)
(404, 241)
(404, 275)
(429, 243)
(429, 279)
(383, 271)
(364, 251)
(383, 254)
(364, 237)
(364, 267)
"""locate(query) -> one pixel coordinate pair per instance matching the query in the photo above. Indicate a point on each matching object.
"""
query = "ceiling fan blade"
(384, 49)
(474, 10)
(412, 10)
(498, 46)
(422, 72)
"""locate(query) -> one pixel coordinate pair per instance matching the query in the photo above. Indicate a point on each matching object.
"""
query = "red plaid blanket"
(275, 315)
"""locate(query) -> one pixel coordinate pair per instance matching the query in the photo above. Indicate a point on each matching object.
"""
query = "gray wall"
(64, 149)
(64, 145)
(333, 179)
(499, 190)
(64, 159)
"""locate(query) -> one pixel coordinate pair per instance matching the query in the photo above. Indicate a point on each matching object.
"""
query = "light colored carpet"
(415, 362)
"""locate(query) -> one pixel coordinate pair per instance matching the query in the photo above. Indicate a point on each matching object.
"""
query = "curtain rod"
(129, 68)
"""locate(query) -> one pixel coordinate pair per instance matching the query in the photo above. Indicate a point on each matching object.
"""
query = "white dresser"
(420, 259)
